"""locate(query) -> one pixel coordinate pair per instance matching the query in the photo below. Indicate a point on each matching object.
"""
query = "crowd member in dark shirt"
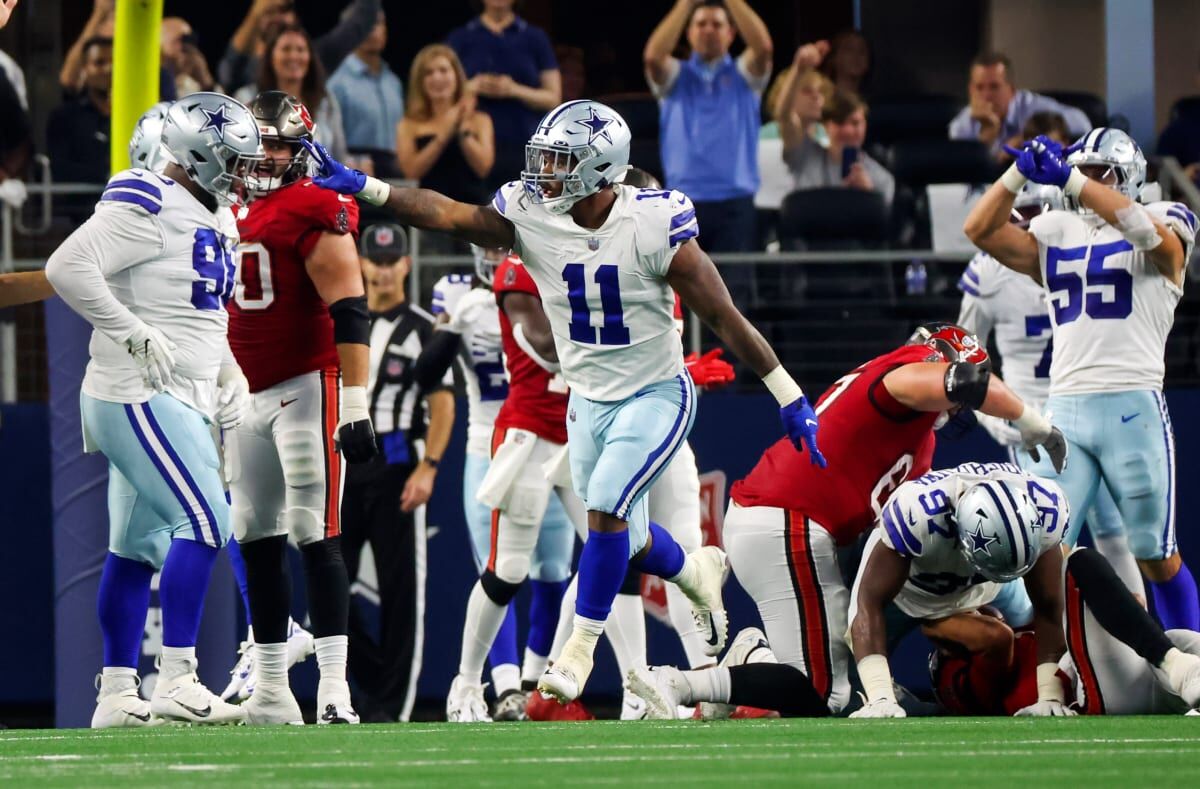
(513, 72)
(77, 131)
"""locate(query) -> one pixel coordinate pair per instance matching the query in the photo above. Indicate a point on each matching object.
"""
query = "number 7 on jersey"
(614, 331)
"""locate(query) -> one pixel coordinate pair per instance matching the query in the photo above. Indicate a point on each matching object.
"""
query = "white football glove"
(153, 352)
(880, 708)
(469, 308)
(233, 397)
(999, 429)
(1036, 431)
(1046, 709)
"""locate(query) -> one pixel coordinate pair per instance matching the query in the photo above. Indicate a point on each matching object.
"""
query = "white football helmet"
(582, 146)
(1116, 150)
(487, 260)
(1034, 200)
(216, 141)
(145, 146)
(997, 529)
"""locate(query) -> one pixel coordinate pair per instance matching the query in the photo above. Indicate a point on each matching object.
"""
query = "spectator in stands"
(803, 97)
(288, 64)
(77, 130)
(574, 72)
(16, 137)
(6, 9)
(1050, 124)
(183, 59)
(998, 110)
(1181, 138)
(513, 72)
(371, 98)
(98, 25)
(443, 141)
(709, 116)
(815, 167)
(848, 66)
(239, 65)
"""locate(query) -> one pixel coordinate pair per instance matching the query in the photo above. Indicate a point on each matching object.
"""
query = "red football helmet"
(953, 343)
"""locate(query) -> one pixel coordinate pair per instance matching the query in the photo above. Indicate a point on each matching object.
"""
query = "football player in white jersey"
(605, 258)
(953, 541)
(151, 271)
(468, 310)
(1113, 272)
(996, 298)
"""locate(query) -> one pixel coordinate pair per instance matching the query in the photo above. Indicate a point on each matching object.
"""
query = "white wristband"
(1075, 182)
(783, 386)
(876, 678)
(375, 192)
(355, 406)
(1031, 421)
(1012, 180)
(1050, 687)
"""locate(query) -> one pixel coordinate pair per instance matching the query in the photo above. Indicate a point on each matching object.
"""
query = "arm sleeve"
(431, 368)
(117, 237)
(663, 89)
(333, 47)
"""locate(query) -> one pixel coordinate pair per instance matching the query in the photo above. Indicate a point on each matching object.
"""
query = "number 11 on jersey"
(614, 331)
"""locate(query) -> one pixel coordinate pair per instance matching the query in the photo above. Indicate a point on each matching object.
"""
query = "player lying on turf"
(1113, 271)
(787, 520)
(604, 257)
(1119, 660)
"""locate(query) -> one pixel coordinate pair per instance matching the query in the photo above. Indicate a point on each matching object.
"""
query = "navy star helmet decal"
(597, 126)
(980, 542)
(216, 121)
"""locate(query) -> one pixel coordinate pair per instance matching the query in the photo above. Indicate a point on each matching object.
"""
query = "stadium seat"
(919, 163)
(1092, 105)
(916, 117)
(833, 218)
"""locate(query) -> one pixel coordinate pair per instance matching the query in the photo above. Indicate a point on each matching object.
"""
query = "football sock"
(1176, 601)
(709, 684)
(181, 590)
(506, 678)
(566, 620)
(775, 686)
(331, 657)
(270, 587)
(484, 618)
(533, 667)
(1114, 607)
(328, 587)
(177, 661)
(1116, 550)
(270, 665)
(626, 631)
(504, 645)
(122, 604)
(544, 604)
(239, 575)
(679, 609)
(602, 565)
(663, 557)
(114, 679)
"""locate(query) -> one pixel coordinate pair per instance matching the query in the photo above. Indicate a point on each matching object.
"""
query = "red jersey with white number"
(873, 444)
(537, 399)
(279, 327)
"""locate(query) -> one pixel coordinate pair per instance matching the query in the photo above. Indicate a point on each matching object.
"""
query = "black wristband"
(351, 320)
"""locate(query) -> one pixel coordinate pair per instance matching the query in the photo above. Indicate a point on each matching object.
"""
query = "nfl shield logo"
(593, 244)
(394, 368)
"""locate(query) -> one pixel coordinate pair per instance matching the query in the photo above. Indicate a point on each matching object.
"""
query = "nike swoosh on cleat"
(712, 627)
(1125, 419)
(204, 713)
(143, 718)
(286, 403)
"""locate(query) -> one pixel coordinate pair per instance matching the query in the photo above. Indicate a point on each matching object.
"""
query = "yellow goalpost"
(135, 71)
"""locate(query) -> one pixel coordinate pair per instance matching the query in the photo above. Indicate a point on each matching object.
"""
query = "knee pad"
(302, 458)
(498, 591)
(511, 569)
(1135, 478)
(304, 524)
(1146, 545)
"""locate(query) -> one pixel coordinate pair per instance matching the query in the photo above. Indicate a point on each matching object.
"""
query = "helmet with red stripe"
(953, 343)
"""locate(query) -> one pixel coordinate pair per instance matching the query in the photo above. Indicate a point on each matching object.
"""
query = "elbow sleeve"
(435, 359)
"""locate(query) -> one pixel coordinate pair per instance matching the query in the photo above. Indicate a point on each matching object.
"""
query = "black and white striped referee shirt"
(397, 403)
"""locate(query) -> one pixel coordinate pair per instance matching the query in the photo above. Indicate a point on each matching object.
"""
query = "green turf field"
(1162, 751)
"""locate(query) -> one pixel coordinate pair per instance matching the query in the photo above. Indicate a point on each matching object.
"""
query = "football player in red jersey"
(299, 315)
(788, 518)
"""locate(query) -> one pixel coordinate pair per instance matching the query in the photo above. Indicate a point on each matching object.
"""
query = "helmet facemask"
(234, 183)
(553, 178)
(487, 260)
(272, 172)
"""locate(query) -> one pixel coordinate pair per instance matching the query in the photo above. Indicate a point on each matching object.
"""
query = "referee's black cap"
(383, 243)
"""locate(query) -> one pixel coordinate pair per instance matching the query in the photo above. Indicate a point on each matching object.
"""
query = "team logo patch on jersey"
(593, 244)
(510, 276)
(343, 220)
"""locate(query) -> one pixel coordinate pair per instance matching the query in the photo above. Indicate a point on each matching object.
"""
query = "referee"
(384, 500)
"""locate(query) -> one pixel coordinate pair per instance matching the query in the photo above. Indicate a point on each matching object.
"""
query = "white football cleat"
(241, 674)
(660, 688)
(122, 709)
(465, 704)
(708, 608)
(1188, 686)
(333, 702)
(633, 708)
(184, 699)
(272, 706)
(511, 706)
(564, 681)
(300, 643)
(745, 643)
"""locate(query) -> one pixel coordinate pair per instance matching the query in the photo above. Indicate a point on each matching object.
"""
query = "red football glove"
(709, 370)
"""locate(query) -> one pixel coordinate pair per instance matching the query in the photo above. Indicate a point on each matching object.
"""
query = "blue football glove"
(332, 174)
(800, 424)
(1043, 161)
